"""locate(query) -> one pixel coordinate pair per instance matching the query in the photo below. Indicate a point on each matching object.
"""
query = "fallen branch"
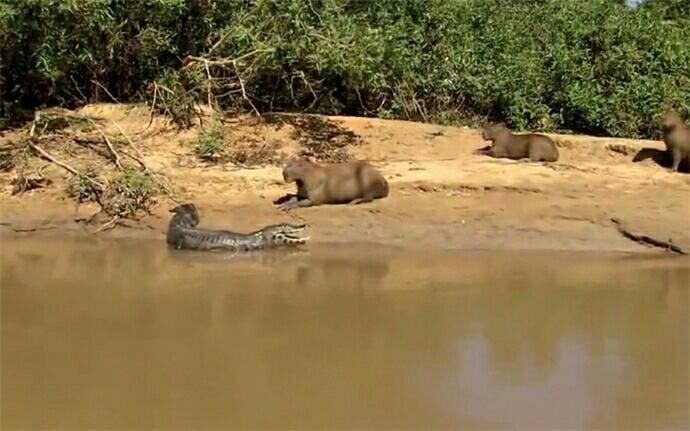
(116, 156)
(50, 158)
(63, 165)
(139, 158)
(108, 225)
(646, 240)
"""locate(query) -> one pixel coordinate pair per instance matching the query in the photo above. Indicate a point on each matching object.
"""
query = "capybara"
(352, 182)
(506, 144)
(677, 140)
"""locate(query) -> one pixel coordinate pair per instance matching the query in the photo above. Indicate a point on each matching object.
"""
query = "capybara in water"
(333, 183)
(506, 144)
(677, 140)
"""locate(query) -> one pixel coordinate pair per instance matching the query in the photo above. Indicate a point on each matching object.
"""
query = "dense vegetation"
(594, 66)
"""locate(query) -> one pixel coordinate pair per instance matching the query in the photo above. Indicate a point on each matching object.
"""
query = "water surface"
(125, 334)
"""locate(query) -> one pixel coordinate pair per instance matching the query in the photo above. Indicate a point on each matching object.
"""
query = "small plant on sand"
(14, 155)
(129, 193)
(85, 186)
(175, 100)
(210, 145)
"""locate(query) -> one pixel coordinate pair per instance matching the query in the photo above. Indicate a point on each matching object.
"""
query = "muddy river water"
(125, 334)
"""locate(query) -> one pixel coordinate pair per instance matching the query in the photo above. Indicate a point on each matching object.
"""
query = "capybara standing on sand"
(334, 183)
(505, 144)
(677, 140)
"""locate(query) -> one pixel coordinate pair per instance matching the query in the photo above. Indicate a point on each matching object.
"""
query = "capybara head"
(490, 133)
(296, 168)
(671, 121)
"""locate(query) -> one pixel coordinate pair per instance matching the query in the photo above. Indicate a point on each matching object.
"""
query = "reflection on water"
(126, 334)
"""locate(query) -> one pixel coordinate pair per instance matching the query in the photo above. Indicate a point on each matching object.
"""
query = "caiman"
(183, 234)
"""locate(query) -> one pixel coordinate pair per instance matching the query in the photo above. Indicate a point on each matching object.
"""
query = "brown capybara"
(334, 183)
(677, 140)
(505, 144)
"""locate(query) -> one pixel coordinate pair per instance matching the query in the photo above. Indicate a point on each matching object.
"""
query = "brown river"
(126, 334)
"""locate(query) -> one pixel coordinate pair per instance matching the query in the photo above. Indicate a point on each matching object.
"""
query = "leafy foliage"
(131, 192)
(210, 145)
(596, 66)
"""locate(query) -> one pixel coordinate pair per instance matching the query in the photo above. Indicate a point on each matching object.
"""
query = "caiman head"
(284, 234)
(185, 215)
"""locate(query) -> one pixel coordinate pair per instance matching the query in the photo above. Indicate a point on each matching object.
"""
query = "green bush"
(210, 145)
(593, 66)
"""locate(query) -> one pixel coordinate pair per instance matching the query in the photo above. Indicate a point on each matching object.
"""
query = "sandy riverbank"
(442, 196)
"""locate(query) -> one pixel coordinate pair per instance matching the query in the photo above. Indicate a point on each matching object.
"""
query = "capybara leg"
(534, 155)
(363, 200)
(675, 159)
(285, 198)
(296, 203)
(486, 151)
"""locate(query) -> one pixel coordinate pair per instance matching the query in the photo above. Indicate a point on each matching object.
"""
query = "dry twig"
(93, 81)
(50, 158)
(139, 158)
(646, 240)
(244, 91)
(108, 225)
(190, 60)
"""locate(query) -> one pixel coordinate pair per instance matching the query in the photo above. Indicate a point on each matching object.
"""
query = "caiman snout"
(287, 234)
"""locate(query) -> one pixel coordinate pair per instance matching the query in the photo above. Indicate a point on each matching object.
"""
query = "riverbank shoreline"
(442, 196)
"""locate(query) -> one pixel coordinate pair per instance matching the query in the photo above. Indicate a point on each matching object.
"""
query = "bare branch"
(113, 152)
(48, 157)
(646, 240)
(93, 81)
(139, 157)
(108, 225)
(209, 85)
(218, 43)
(244, 91)
(153, 105)
(190, 60)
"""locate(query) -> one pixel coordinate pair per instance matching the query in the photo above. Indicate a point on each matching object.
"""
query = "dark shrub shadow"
(318, 136)
(660, 157)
